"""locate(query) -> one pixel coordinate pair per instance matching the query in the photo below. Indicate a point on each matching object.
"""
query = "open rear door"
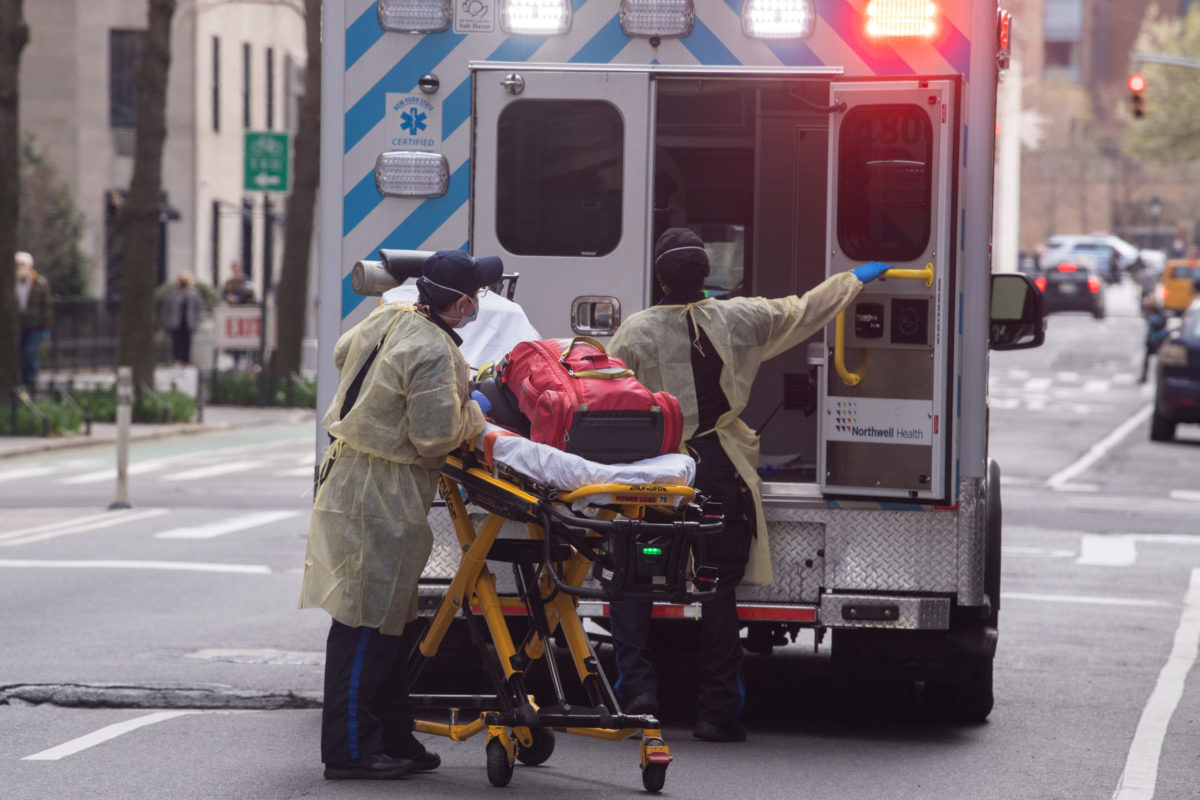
(887, 388)
(560, 190)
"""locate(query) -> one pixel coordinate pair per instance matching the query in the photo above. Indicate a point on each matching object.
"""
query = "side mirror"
(1017, 319)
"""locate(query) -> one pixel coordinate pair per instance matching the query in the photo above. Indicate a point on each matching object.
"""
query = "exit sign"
(266, 162)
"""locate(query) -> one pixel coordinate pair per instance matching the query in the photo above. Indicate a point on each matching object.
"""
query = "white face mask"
(463, 319)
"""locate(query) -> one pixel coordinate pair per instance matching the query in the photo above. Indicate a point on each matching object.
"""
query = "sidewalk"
(216, 418)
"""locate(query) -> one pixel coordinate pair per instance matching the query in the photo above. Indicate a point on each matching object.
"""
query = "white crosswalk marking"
(91, 522)
(20, 474)
(213, 470)
(216, 529)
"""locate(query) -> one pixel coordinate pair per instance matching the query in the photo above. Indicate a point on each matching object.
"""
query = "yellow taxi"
(1177, 290)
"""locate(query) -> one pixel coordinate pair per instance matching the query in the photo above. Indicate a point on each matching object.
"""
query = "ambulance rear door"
(886, 401)
(560, 189)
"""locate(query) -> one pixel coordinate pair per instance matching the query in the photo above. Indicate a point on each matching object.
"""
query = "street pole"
(264, 379)
(124, 415)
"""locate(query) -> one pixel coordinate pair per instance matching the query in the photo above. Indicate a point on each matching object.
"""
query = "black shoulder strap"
(356, 384)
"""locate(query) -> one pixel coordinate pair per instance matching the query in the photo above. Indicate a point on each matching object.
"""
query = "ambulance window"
(885, 182)
(558, 177)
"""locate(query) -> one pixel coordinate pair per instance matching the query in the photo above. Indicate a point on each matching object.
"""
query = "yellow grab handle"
(839, 329)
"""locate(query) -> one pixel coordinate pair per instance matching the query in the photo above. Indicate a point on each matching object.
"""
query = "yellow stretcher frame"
(524, 732)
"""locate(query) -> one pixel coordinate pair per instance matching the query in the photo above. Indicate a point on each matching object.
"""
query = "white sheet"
(567, 471)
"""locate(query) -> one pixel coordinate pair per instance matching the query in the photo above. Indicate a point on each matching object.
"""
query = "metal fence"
(84, 336)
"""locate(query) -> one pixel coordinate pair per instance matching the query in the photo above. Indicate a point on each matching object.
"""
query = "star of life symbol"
(412, 121)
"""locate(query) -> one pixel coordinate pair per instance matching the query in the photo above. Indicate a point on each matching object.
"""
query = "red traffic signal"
(1137, 82)
(1137, 102)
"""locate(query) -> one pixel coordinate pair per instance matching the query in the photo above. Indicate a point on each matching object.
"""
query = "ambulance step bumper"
(881, 611)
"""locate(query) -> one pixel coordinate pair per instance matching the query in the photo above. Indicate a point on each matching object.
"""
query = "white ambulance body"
(800, 138)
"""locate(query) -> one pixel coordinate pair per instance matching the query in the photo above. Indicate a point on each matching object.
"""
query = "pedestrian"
(403, 402)
(181, 313)
(238, 289)
(1156, 332)
(36, 312)
(706, 352)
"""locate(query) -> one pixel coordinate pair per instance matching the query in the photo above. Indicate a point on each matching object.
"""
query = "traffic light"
(1137, 103)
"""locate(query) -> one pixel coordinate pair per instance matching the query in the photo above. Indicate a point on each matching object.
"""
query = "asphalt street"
(157, 652)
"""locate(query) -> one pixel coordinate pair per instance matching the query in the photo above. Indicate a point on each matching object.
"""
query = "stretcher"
(593, 531)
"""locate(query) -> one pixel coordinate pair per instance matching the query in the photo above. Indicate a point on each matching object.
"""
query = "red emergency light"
(897, 19)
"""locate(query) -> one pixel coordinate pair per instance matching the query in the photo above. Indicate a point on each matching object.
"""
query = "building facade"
(236, 66)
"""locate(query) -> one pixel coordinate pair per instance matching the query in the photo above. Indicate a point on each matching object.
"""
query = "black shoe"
(645, 703)
(422, 760)
(712, 732)
(378, 767)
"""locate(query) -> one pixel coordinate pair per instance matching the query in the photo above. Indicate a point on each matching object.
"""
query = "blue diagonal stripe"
(518, 47)
(955, 47)
(706, 47)
(362, 33)
(416, 228)
(456, 108)
(359, 201)
(604, 46)
(370, 109)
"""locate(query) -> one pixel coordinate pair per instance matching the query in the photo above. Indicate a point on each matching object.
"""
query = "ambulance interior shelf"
(839, 331)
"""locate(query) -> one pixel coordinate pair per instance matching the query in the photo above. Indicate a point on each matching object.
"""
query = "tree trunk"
(292, 298)
(140, 216)
(14, 34)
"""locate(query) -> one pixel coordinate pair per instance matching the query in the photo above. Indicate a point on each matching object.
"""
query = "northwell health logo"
(846, 421)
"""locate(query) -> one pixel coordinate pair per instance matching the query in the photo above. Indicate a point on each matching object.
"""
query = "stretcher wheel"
(540, 750)
(499, 768)
(654, 777)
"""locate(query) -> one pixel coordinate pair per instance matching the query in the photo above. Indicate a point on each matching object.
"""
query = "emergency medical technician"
(706, 352)
(403, 403)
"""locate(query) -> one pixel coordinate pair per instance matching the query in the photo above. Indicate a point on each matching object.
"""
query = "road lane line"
(213, 470)
(185, 566)
(90, 523)
(1099, 449)
(227, 526)
(1086, 600)
(103, 735)
(1140, 775)
(1107, 551)
(27, 472)
(1185, 494)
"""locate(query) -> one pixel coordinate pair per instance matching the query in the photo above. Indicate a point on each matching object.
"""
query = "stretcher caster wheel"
(654, 777)
(540, 750)
(499, 768)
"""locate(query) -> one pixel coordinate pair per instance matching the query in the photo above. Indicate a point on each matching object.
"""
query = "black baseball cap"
(679, 253)
(457, 270)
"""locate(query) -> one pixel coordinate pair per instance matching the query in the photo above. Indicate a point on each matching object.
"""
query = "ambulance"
(799, 138)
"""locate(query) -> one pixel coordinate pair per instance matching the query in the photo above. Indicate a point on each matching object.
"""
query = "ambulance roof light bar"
(901, 19)
(657, 18)
(539, 17)
(412, 173)
(778, 19)
(414, 16)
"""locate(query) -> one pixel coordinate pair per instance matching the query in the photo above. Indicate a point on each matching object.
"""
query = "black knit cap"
(680, 258)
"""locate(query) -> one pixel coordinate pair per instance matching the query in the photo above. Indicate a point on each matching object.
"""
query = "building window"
(558, 183)
(885, 183)
(124, 56)
(216, 84)
(246, 86)
(270, 88)
(1063, 26)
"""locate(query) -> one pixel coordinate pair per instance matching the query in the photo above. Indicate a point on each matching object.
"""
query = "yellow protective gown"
(745, 331)
(369, 537)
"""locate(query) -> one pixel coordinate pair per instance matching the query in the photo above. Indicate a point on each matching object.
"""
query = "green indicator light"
(652, 551)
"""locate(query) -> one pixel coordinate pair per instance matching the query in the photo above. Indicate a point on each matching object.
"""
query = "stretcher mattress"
(549, 466)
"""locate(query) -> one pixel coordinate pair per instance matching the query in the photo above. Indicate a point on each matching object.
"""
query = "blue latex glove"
(870, 271)
(485, 405)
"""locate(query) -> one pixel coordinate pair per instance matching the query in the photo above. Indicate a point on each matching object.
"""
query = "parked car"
(1177, 287)
(1177, 379)
(1072, 287)
(1063, 247)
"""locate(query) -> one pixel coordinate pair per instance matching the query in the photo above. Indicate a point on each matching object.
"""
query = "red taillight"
(1040, 283)
(1094, 285)
(1067, 267)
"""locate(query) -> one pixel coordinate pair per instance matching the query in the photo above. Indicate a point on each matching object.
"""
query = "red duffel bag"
(581, 399)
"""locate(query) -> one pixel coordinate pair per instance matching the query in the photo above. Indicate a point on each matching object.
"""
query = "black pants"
(721, 695)
(181, 345)
(366, 709)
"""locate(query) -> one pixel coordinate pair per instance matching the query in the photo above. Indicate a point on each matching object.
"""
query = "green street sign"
(266, 162)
